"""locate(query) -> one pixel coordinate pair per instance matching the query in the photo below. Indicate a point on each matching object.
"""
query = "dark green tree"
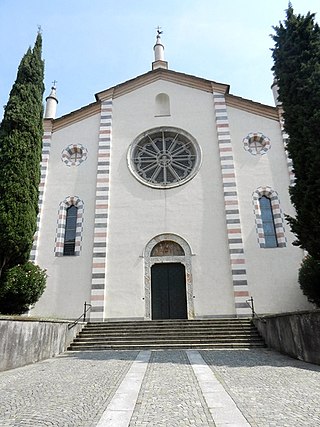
(20, 154)
(21, 287)
(297, 69)
(309, 279)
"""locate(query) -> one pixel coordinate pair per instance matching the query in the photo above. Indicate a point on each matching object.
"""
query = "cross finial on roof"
(54, 83)
(39, 29)
(159, 61)
(159, 30)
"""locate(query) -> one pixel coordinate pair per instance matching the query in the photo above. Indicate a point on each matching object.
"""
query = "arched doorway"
(168, 279)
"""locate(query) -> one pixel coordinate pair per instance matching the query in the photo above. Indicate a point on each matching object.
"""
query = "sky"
(91, 45)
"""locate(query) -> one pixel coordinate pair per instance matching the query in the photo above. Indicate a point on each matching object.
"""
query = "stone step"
(173, 327)
(173, 340)
(186, 334)
(159, 340)
(168, 327)
(167, 339)
(170, 323)
(164, 346)
(167, 331)
(155, 337)
(218, 333)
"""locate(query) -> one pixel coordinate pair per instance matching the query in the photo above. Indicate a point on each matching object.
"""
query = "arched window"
(70, 231)
(269, 229)
(269, 218)
(69, 227)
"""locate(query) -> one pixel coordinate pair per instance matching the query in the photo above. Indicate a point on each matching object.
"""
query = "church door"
(168, 291)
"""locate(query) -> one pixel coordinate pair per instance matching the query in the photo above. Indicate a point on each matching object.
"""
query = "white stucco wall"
(194, 210)
(272, 272)
(69, 277)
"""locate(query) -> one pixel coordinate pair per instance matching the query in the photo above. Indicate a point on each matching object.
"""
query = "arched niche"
(162, 107)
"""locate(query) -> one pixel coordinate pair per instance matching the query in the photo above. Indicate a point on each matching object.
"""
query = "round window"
(74, 154)
(256, 143)
(164, 157)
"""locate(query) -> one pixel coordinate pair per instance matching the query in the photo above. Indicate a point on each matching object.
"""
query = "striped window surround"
(61, 224)
(231, 202)
(277, 216)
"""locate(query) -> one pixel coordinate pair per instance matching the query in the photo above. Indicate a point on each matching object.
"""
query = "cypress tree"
(297, 69)
(20, 154)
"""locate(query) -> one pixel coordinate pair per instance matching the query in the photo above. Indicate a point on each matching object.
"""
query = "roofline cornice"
(252, 107)
(170, 76)
(163, 74)
(76, 116)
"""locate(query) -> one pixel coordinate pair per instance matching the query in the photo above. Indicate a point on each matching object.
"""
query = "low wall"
(296, 334)
(24, 340)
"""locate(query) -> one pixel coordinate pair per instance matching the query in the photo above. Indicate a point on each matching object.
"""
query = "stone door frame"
(149, 261)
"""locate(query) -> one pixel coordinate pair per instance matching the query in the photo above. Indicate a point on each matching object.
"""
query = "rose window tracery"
(164, 157)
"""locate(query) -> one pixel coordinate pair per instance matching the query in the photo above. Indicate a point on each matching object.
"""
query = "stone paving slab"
(223, 409)
(120, 409)
(170, 394)
(72, 390)
(76, 389)
(271, 390)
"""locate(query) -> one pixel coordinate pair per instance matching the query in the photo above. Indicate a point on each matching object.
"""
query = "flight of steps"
(168, 334)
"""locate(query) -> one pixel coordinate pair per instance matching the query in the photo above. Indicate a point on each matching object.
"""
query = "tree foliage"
(20, 154)
(309, 279)
(22, 286)
(297, 69)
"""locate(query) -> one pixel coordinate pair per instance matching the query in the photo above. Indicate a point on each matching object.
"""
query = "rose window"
(164, 157)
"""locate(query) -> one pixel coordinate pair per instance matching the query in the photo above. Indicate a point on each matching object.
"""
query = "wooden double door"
(168, 291)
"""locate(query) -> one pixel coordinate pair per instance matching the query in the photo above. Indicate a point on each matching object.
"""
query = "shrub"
(21, 287)
(309, 279)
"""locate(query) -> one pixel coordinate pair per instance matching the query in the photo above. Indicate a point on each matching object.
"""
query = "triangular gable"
(162, 74)
(171, 76)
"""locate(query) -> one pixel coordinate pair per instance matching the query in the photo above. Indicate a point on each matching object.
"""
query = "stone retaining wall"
(24, 341)
(296, 334)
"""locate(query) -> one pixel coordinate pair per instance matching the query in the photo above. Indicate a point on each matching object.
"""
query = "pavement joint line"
(223, 409)
(120, 409)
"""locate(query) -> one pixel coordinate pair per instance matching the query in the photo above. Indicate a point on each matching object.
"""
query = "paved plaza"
(222, 388)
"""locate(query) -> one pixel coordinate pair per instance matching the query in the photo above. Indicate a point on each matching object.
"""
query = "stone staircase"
(168, 334)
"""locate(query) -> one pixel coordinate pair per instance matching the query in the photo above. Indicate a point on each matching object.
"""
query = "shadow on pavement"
(229, 358)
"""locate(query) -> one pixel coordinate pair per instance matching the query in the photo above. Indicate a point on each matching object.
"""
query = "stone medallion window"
(164, 157)
(74, 154)
(256, 143)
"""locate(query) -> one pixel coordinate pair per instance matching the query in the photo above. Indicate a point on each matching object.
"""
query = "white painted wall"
(194, 210)
(69, 278)
(272, 272)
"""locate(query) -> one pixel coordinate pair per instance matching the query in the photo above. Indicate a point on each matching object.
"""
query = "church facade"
(165, 198)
